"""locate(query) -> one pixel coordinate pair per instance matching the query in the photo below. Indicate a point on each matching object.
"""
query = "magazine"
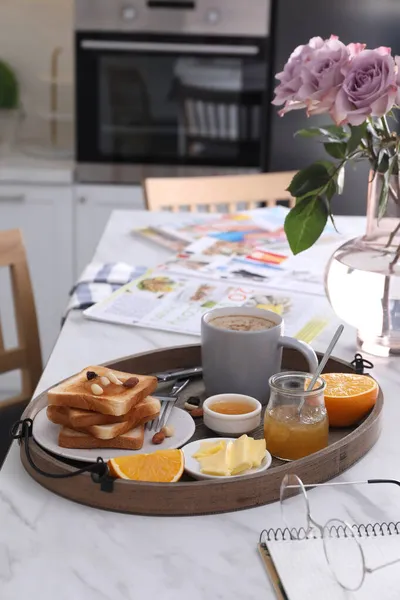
(234, 269)
(176, 303)
(272, 265)
(264, 224)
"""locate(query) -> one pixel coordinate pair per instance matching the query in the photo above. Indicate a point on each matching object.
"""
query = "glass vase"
(362, 278)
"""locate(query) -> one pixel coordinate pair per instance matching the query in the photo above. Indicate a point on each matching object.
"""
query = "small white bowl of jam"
(232, 414)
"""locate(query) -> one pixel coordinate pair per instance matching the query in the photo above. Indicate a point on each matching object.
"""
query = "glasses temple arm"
(384, 481)
(388, 564)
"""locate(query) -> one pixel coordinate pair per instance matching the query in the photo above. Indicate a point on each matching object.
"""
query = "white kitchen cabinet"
(45, 216)
(93, 207)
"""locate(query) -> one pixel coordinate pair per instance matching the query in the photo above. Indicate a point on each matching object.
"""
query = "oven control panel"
(208, 17)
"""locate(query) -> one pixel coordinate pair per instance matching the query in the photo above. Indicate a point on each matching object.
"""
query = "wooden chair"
(26, 357)
(231, 190)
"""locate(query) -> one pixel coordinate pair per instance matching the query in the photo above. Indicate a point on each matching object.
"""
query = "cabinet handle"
(16, 198)
(82, 199)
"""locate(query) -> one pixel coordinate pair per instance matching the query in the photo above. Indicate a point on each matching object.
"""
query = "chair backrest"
(230, 190)
(27, 355)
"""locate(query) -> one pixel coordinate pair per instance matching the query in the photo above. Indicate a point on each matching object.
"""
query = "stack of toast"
(103, 408)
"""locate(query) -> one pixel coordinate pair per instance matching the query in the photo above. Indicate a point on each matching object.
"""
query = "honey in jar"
(290, 432)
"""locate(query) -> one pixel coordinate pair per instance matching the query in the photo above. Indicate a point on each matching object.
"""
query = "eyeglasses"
(343, 551)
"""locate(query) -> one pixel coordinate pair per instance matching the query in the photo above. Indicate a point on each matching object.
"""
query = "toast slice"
(114, 399)
(131, 440)
(77, 418)
(143, 412)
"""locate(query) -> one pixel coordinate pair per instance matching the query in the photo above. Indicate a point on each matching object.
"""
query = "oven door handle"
(166, 47)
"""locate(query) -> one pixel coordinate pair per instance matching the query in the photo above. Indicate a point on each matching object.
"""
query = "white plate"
(46, 434)
(192, 466)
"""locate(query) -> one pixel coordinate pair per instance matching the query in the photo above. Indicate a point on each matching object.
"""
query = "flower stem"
(393, 234)
(395, 260)
(385, 127)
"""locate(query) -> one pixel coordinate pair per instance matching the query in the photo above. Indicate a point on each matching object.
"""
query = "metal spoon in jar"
(323, 362)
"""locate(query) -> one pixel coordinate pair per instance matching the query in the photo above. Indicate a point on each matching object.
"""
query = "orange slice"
(348, 397)
(165, 466)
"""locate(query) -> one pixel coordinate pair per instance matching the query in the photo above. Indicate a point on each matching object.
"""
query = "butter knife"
(180, 374)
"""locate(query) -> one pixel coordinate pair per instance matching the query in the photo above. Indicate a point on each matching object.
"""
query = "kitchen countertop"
(53, 548)
(20, 168)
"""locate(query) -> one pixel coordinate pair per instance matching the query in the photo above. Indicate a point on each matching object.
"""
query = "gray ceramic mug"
(241, 362)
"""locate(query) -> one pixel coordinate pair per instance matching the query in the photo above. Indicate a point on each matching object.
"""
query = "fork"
(167, 404)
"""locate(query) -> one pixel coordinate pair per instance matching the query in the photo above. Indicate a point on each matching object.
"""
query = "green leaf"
(357, 134)
(309, 179)
(336, 149)
(330, 190)
(340, 180)
(328, 164)
(333, 221)
(309, 132)
(305, 223)
(334, 132)
(337, 131)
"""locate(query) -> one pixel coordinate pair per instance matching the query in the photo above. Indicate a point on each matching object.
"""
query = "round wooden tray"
(189, 497)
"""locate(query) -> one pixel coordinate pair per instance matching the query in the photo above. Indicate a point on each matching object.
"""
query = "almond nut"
(197, 412)
(168, 431)
(114, 379)
(96, 389)
(189, 405)
(131, 382)
(105, 381)
(158, 437)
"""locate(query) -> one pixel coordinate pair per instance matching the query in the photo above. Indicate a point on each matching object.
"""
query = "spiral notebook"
(298, 569)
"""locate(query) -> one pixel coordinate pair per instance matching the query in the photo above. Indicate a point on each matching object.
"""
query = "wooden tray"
(189, 497)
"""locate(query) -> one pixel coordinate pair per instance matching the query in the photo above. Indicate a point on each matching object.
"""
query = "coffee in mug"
(242, 323)
(241, 349)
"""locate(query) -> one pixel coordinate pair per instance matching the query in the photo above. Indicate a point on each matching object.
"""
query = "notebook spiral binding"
(369, 530)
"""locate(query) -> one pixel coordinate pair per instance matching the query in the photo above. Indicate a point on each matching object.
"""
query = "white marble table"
(51, 548)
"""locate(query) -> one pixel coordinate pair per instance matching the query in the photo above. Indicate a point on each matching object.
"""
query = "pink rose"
(355, 49)
(322, 76)
(369, 88)
(290, 77)
(397, 69)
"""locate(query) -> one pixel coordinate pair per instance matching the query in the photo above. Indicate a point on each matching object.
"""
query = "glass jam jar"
(290, 432)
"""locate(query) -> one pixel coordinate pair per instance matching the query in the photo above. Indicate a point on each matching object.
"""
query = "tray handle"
(360, 364)
(22, 431)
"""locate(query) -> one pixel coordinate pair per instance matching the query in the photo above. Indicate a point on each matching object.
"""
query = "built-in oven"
(170, 86)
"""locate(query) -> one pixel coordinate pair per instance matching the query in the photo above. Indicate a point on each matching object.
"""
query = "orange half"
(163, 466)
(348, 397)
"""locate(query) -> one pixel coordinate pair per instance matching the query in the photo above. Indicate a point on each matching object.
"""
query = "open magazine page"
(161, 238)
(270, 264)
(221, 226)
(237, 269)
(176, 303)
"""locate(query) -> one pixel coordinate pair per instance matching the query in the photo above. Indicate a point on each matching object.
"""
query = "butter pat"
(241, 455)
(218, 463)
(208, 448)
(232, 458)
(258, 448)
